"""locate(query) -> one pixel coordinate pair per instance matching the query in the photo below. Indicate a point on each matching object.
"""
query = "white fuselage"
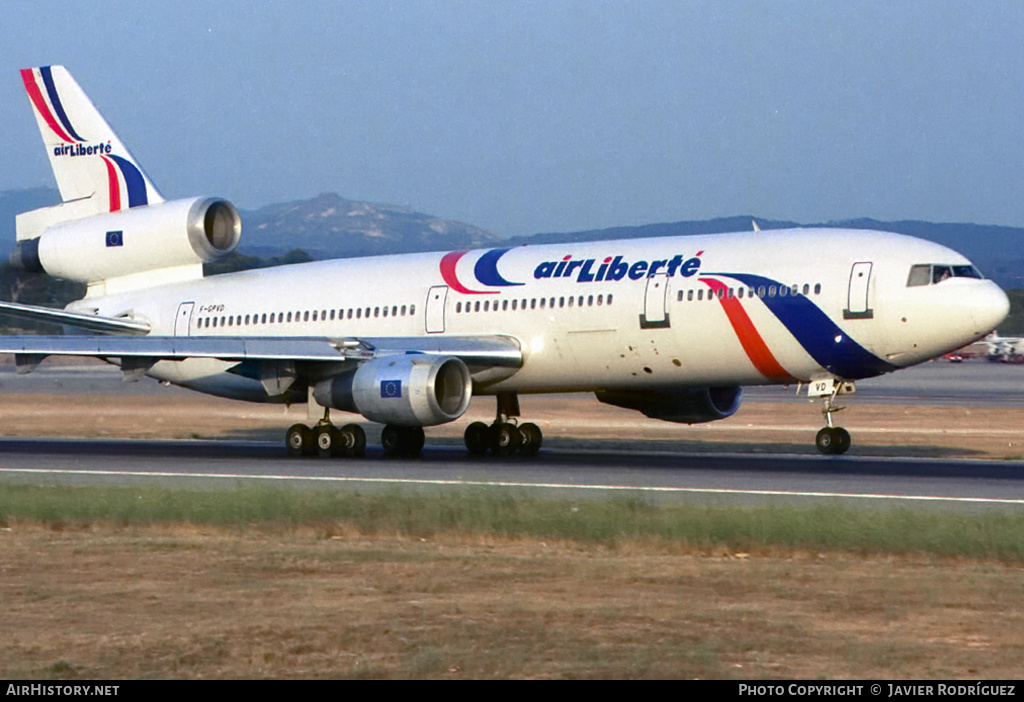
(719, 310)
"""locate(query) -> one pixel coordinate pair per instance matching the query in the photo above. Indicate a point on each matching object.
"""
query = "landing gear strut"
(832, 440)
(505, 436)
(326, 440)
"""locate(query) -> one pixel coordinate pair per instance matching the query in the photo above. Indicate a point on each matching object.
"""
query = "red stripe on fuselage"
(757, 351)
(36, 97)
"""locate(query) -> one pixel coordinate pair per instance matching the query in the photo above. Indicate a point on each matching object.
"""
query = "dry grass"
(204, 603)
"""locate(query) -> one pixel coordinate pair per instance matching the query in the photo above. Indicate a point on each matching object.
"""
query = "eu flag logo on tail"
(390, 388)
(115, 238)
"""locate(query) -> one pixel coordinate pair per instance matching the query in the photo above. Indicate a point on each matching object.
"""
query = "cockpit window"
(941, 273)
(932, 273)
(966, 272)
(920, 274)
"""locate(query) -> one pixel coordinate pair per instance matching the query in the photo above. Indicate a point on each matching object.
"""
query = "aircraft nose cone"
(987, 308)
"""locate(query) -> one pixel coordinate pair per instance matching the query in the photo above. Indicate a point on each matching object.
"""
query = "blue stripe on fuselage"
(823, 339)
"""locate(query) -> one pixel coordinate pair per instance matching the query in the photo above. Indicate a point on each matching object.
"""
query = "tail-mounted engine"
(413, 390)
(136, 240)
(686, 406)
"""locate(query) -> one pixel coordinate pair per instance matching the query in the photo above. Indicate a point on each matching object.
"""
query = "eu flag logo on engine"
(390, 388)
(115, 238)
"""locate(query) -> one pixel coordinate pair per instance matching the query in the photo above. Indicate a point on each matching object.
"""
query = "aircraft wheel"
(843, 441)
(505, 438)
(832, 441)
(351, 440)
(532, 438)
(476, 438)
(417, 437)
(402, 441)
(299, 440)
(391, 440)
(324, 440)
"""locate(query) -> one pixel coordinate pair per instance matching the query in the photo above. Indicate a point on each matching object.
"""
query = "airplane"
(1004, 349)
(671, 327)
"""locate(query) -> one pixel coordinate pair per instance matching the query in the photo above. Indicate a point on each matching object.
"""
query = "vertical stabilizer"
(89, 161)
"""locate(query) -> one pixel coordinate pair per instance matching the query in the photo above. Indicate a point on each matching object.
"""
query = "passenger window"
(920, 274)
(817, 288)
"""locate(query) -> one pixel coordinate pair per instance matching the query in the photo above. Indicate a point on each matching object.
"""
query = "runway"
(705, 478)
(651, 470)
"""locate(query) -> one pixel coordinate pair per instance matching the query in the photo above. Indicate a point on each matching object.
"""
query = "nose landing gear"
(832, 440)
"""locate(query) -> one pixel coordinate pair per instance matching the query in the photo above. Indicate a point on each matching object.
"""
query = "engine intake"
(414, 390)
(686, 405)
(140, 239)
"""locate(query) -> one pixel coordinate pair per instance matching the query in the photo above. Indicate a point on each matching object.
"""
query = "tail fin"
(91, 165)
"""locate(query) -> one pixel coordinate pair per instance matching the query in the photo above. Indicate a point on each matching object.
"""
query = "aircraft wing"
(487, 351)
(87, 322)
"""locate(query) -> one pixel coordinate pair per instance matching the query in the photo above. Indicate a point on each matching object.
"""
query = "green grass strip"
(997, 535)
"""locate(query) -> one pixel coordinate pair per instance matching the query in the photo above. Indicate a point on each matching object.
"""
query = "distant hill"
(329, 226)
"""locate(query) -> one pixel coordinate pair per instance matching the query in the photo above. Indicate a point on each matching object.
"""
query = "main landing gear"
(505, 436)
(326, 440)
(832, 440)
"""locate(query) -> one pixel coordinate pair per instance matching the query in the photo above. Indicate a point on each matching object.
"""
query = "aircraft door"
(655, 316)
(436, 298)
(857, 302)
(183, 322)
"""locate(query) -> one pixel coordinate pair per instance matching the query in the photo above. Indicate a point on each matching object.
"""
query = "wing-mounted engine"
(413, 390)
(167, 235)
(686, 406)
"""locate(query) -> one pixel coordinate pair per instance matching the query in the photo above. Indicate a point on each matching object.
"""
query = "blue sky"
(525, 117)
